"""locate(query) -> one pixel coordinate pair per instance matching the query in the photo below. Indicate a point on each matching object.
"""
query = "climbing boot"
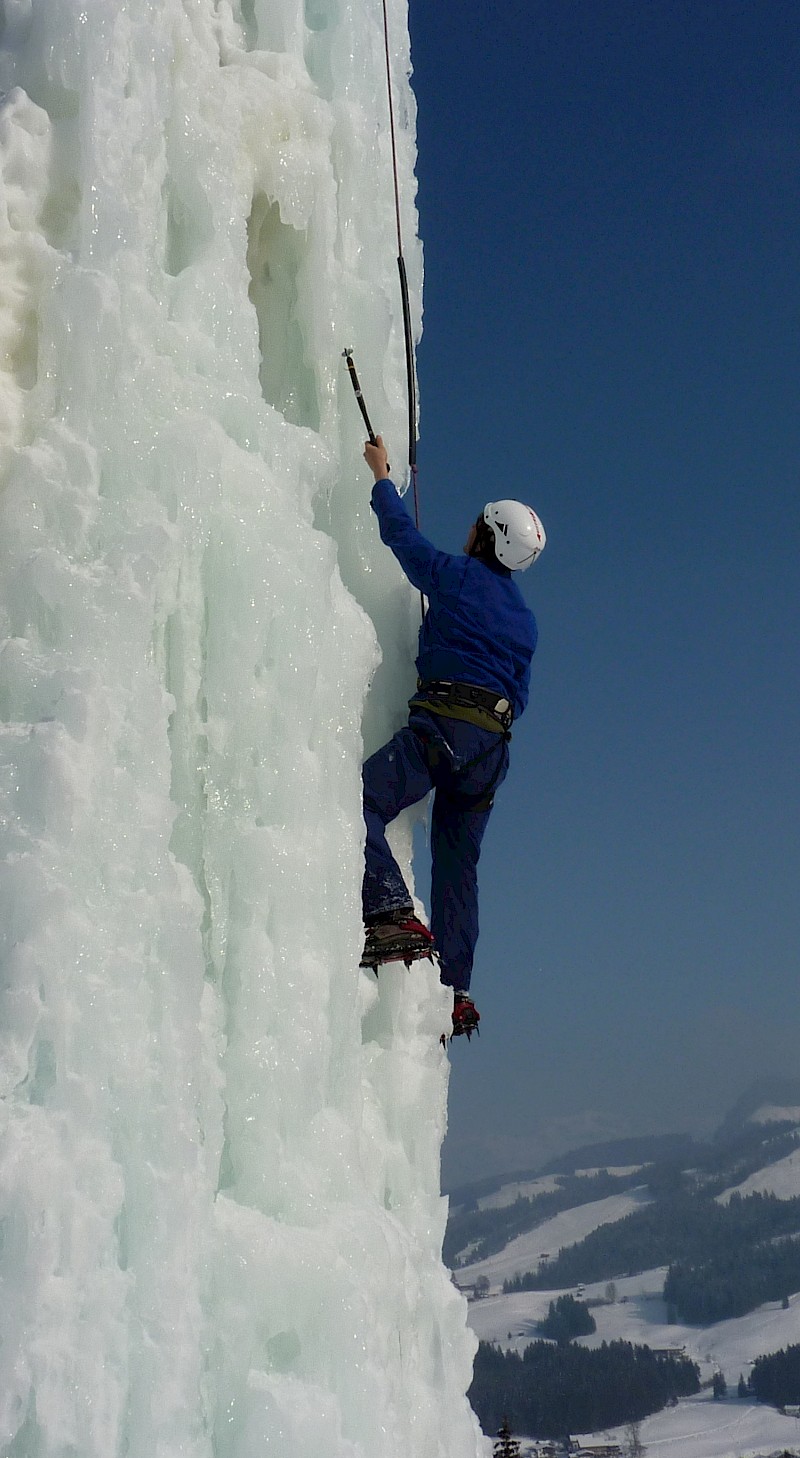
(465, 1016)
(399, 937)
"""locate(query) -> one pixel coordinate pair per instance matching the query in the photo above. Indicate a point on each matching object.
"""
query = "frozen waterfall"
(220, 1219)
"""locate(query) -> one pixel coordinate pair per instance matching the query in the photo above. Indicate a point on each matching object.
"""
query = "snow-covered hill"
(698, 1427)
(525, 1253)
(781, 1179)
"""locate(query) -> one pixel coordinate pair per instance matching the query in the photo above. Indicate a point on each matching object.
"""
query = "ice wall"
(220, 1220)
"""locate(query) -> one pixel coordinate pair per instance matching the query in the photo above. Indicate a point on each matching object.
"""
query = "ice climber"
(475, 648)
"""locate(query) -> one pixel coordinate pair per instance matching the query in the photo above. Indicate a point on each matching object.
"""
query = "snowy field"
(639, 1315)
(697, 1427)
(702, 1428)
(781, 1179)
(525, 1190)
(544, 1185)
(524, 1253)
(772, 1114)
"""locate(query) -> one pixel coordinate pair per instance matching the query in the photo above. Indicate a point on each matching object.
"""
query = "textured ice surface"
(220, 1221)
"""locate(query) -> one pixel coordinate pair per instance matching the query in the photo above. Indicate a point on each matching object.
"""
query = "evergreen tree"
(742, 1388)
(776, 1378)
(567, 1318)
(506, 1446)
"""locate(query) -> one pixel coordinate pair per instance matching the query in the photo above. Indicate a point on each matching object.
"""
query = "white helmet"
(518, 533)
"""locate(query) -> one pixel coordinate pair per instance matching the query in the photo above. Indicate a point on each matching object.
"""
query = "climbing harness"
(473, 705)
(478, 706)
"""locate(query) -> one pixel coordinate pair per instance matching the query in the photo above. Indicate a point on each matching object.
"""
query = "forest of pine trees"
(567, 1318)
(776, 1378)
(733, 1281)
(550, 1391)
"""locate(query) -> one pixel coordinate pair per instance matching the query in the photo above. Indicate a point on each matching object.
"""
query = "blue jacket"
(478, 628)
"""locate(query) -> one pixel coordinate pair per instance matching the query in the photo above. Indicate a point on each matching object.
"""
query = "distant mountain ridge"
(641, 1149)
(775, 1091)
(636, 1149)
(488, 1216)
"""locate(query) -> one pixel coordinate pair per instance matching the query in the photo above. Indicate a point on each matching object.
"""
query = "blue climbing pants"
(463, 765)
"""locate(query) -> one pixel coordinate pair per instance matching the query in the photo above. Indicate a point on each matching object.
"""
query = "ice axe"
(347, 354)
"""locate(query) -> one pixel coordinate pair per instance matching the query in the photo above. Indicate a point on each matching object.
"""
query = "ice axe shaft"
(347, 354)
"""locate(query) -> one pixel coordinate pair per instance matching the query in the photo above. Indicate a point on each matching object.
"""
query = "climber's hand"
(376, 458)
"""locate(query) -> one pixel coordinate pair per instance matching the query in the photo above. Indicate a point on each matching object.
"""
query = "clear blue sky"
(609, 200)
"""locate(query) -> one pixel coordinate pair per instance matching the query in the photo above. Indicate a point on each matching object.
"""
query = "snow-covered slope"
(775, 1114)
(638, 1314)
(525, 1252)
(518, 1190)
(527, 1189)
(220, 1218)
(781, 1179)
(698, 1427)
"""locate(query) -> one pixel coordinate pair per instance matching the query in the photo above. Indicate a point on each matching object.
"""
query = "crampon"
(465, 1018)
(403, 939)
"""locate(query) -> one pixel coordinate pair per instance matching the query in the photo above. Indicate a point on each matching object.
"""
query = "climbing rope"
(407, 332)
(401, 268)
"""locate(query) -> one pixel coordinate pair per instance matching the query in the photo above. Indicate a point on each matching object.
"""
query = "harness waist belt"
(483, 707)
